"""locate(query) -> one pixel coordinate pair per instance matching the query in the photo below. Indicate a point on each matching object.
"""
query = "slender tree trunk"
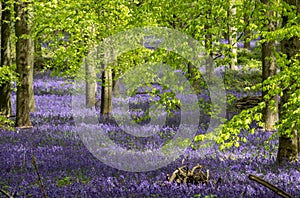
(5, 88)
(268, 70)
(32, 106)
(90, 85)
(288, 145)
(232, 31)
(90, 72)
(0, 24)
(23, 61)
(106, 94)
(106, 88)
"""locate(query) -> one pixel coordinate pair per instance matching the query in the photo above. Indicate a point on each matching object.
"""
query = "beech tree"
(285, 83)
(91, 85)
(269, 68)
(31, 59)
(23, 62)
(106, 93)
(205, 21)
(6, 62)
(289, 145)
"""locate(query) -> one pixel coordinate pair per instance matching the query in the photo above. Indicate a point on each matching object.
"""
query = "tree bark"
(106, 94)
(32, 106)
(268, 70)
(5, 88)
(0, 24)
(23, 61)
(288, 145)
(90, 85)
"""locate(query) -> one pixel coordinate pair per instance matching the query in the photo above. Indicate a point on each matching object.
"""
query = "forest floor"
(68, 169)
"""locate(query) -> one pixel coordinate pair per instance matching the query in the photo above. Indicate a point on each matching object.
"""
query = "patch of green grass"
(64, 181)
(6, 123)
(68, 180)
(206, 196)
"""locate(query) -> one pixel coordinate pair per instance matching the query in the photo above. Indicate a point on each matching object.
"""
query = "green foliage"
(179, 142)
(6, 124)
(250, 59)
(8, 74)
(79, 177)
(89, 22)
(240, 80)
(86, 23)
(64, 181)
(206, 196)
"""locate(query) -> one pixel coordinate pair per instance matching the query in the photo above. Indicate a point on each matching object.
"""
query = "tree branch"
(275, 189)
(5, 193)
(38, 174)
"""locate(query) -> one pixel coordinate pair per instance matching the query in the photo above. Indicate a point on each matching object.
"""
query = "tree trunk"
(5, 88)
(90, 85)
(0, 24)
(269, 70)
(23, 61)
(32, 106)
(288, 146)
(90, 72)
(106, 94)
(232, 31)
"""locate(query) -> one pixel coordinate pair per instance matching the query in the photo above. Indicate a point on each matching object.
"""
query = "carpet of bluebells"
(68, 169)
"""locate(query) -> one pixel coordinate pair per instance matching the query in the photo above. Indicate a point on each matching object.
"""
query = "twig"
(6, 193)
(38, 174)
(173, 176)
(277, 190)
(196, 167)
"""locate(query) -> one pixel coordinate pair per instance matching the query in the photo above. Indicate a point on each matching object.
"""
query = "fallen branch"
(5, 193)
(275, 189)
(184, 175)
(38, 174)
